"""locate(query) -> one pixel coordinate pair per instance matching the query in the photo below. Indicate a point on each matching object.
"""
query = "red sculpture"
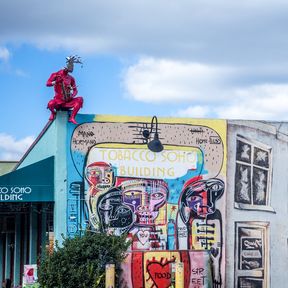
(65, 90)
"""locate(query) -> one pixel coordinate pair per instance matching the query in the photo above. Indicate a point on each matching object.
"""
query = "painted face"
(113, 214)
(145, 197)
(132, 198)
(100, 175)
(201, 196)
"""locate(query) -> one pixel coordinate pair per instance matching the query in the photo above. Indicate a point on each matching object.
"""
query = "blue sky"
(174, 58)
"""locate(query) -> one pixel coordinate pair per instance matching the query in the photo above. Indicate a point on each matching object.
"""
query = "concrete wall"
(257, 227)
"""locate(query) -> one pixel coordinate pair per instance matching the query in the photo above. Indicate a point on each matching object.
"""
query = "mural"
(169, 202)
(152, 269)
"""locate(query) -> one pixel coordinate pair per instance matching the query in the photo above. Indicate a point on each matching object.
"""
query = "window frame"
(252, 205)
(261, 274)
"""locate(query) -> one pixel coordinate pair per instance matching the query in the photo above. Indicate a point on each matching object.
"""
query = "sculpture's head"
(70, 60)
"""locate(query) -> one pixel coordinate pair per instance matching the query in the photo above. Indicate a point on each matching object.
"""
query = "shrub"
(81, 261)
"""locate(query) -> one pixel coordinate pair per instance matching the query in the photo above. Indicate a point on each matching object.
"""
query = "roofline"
(33, 144)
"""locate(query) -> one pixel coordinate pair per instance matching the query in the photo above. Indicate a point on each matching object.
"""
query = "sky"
(170, 58)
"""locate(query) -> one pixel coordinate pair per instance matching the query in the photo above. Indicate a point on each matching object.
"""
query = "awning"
(33, 183)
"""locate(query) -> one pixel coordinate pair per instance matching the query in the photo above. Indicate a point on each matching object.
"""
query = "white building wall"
(275, 273)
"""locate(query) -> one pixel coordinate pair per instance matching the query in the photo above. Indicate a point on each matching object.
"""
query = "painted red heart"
(160, 273)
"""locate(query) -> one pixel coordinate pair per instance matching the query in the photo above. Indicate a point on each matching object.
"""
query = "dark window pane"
(243, 152)
(252, 256)
(248, 282)
(261, 157)
(243, 184)
(259, 186)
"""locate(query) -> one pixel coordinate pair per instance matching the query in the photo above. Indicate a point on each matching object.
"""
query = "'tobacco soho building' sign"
(33, 183)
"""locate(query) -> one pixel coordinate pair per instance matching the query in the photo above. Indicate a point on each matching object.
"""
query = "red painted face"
(201, 196)
(198, 202)
(100, 175)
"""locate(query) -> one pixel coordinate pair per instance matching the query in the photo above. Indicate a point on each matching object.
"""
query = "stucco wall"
(53, 142)
(256, 235)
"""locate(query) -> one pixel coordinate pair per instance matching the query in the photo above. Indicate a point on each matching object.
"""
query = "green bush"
(81, 261)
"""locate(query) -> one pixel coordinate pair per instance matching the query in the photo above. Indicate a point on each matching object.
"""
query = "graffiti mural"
(150, 269)
(202, 220)
(171, 202)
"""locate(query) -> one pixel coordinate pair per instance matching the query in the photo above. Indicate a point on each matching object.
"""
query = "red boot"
(52, 116)
(77, 106)
(72, 120)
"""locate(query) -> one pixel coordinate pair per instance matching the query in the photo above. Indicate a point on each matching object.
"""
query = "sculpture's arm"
(54, 77)
(74, 88)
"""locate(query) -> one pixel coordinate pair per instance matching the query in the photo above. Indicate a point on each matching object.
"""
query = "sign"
(24, 193)
(168, 164)
(30, 276)
(33, 183)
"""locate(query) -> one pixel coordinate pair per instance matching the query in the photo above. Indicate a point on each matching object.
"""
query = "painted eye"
(157, 196)
(94, 173)
(194, 198)
(108, 175)
(121, 210)
(216, 187)
(132, 194)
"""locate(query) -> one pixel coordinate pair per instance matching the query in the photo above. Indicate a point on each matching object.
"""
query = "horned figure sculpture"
(65, 90)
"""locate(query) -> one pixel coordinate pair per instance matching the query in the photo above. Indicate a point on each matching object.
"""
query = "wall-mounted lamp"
(155, 145)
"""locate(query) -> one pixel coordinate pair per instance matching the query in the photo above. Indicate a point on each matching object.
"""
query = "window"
(252, 175)
(251, 254)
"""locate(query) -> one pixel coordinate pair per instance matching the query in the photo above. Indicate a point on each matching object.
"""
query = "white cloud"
(266, 101)
(161, 80)
(212, 30)
(12, 149)
(200, 52)
(4, 54)
(209, 91)
(259, 102)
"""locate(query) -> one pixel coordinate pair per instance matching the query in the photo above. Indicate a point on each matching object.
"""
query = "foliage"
(81, 261)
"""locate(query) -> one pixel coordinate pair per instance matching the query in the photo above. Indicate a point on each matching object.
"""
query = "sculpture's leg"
(51, 107)
(78, 102)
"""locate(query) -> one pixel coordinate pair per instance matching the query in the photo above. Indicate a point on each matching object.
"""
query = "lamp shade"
(155, 145)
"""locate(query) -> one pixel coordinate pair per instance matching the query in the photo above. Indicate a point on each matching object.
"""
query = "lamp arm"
(156, 123)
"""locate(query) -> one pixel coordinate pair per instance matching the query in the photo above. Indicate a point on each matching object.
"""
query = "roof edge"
(33, 144)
